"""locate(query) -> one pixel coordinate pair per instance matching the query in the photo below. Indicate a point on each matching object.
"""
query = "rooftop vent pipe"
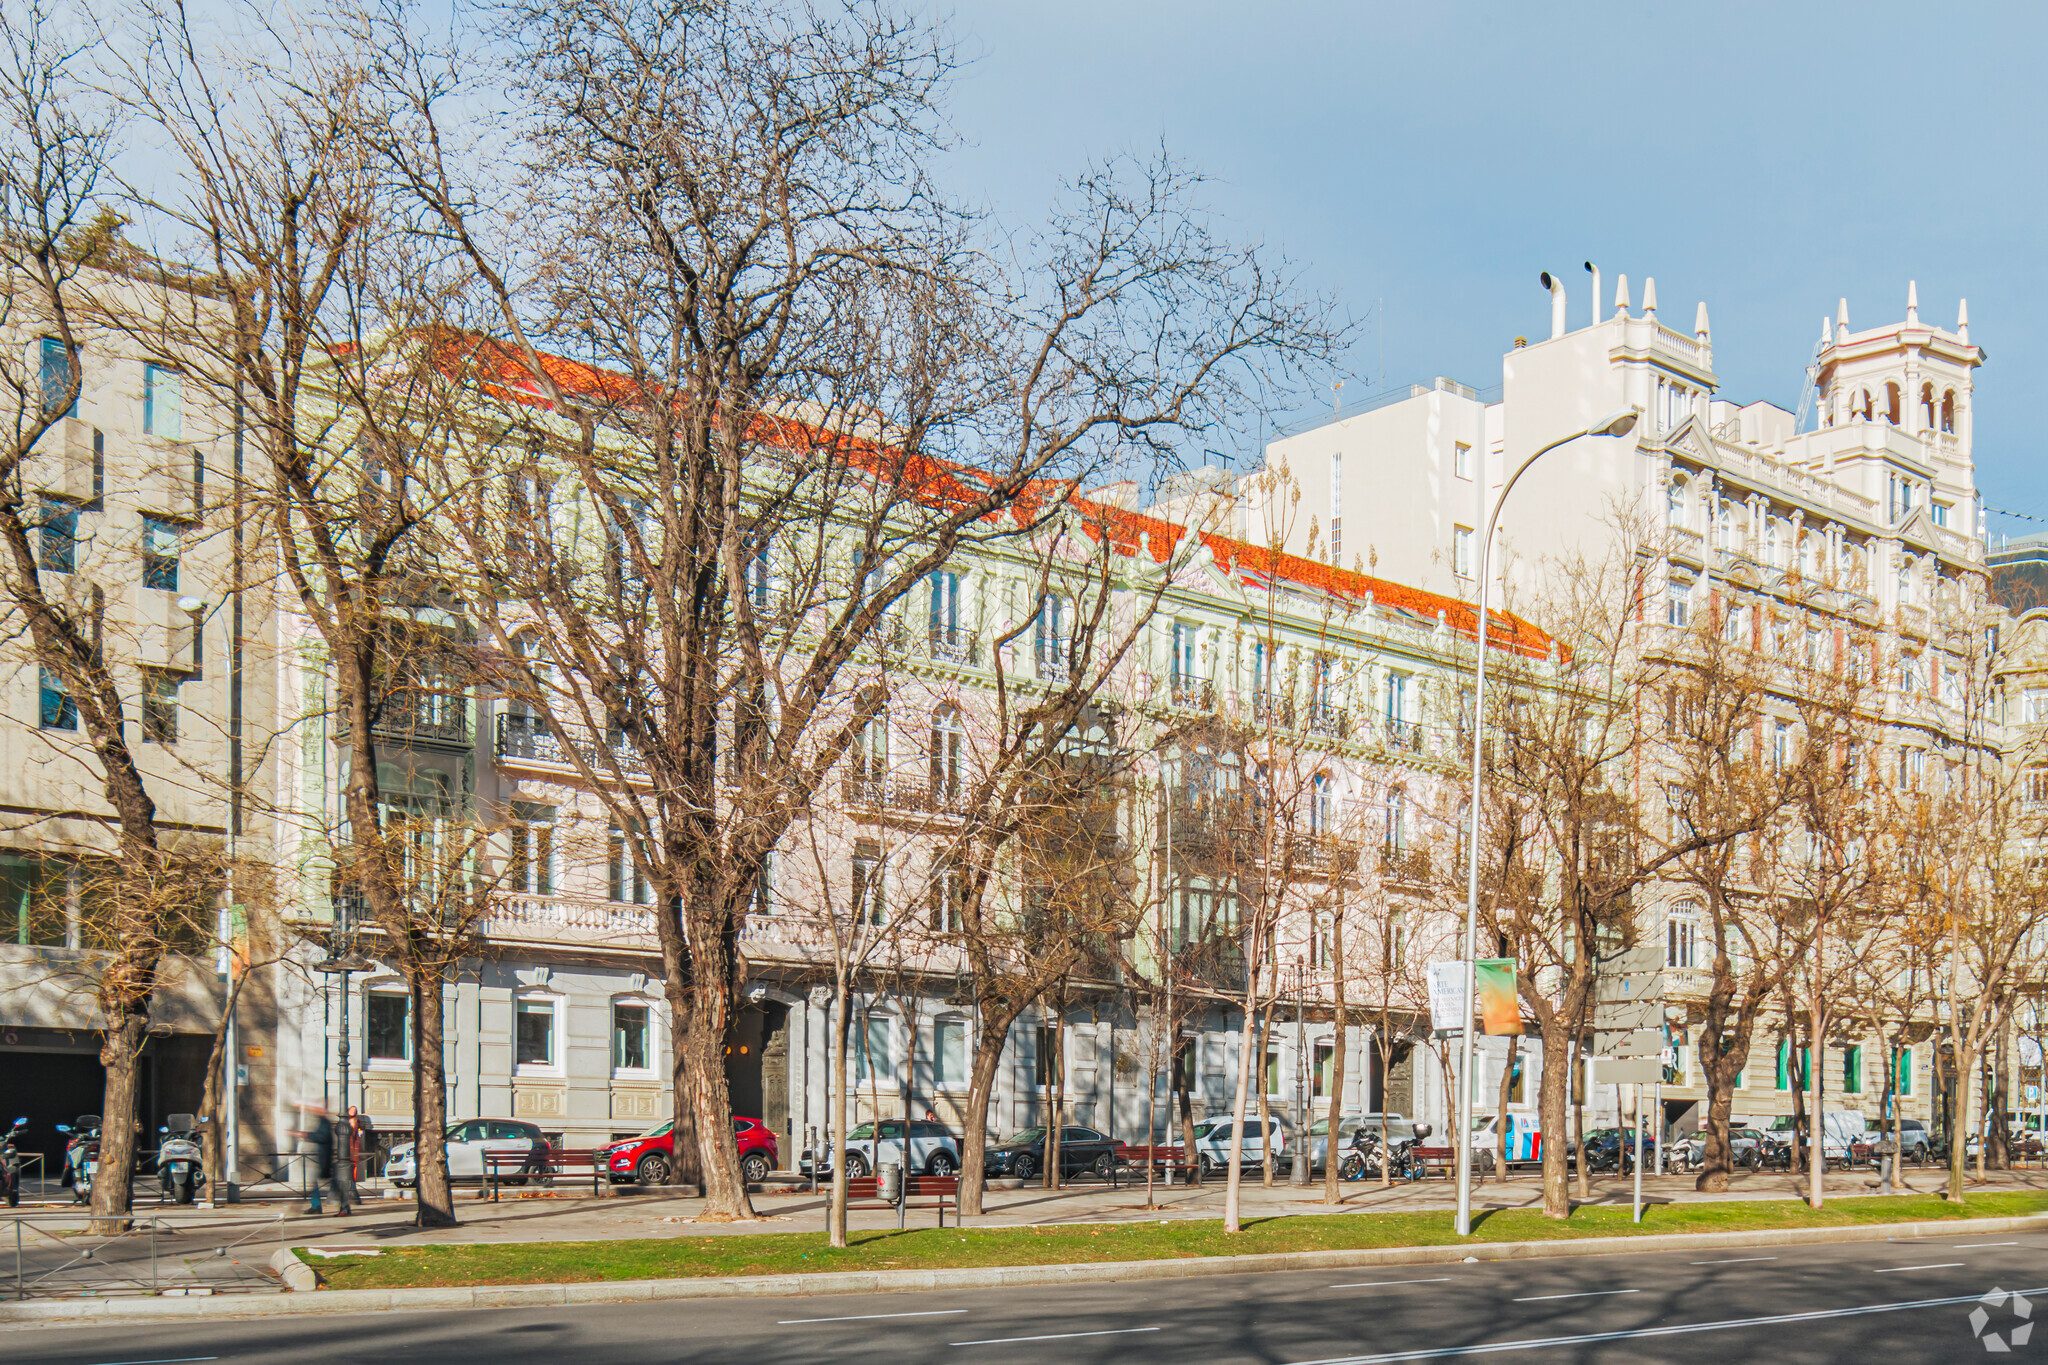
(1556, 288)
(1594, 270)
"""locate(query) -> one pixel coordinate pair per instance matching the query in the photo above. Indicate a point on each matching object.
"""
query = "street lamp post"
(1617, 424)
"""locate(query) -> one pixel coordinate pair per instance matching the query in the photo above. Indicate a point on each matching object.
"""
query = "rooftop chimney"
(1594, 270)
(1556, 287)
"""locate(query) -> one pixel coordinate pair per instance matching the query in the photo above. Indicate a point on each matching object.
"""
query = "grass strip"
(955, 1248)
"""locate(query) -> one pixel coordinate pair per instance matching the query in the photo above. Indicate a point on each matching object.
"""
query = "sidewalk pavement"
(547, 1216)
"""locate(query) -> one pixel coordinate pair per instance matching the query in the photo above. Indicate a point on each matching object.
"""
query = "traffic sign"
(1628, 1071)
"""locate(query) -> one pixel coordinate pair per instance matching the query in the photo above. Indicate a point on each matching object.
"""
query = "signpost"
(1628, 1034)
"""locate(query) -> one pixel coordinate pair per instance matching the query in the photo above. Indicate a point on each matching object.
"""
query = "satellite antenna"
(1812, 377)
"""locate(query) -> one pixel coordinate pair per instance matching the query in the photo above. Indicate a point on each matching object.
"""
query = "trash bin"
(889, 1181)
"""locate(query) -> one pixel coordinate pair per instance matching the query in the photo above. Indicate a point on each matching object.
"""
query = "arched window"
(1948, 412)
(948, 756)
(1674, 503)
(1891, 403)
(1322, 809)
(1924, 409)
(1861, 407)
(1725, 527)
(1905, 583)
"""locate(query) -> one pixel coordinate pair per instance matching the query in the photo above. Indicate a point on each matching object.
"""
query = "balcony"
(1270, 709)
(920, 796)
(951, 645)
(786, 936)
(1686, 547)
(560, 919)
(1916, 621)
(528, 741)
(417, 716)
(1328, 720)
(1191, 694)
(1409, 866)
(1404, 736)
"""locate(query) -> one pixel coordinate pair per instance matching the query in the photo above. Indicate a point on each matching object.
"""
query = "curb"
(298, 1275)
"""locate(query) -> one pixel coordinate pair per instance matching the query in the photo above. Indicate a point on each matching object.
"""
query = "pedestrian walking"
(325, 1137)
(362, 1143)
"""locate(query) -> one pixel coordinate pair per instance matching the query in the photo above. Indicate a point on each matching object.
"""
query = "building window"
(159, 706)
(764, 886)
(1902, 1071)
(949, 898)
(55, 708)
(57, 537)
(1677, 603)
(1461, 552)
(387, 1027)
(163, 403)
(531, 869)
(1852, 1069)
(760, 579)
(627, 882)
(948, 757)
(1397, 821)
(1461, 460)
(629, 1038)
(1674, 503)
(1186, 654)
(872, 1057)
(949, 1054)
(1322, 805)
(533, 1037)
(1336, 538)
(871, 754)
(944, 615)
(868, 898)
(1049, 639)
(160, 553)
(58, 400)
(1045, 1056)
(1681, 941)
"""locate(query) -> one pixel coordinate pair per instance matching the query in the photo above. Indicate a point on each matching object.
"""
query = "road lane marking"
(870, 1317)
(1373, 1284)
(1588, 1294)
(1966, 1246)
(1944, 1265)
(1633, 1333)
(1736, 1260)
(1055, 1336)
(175, 1360)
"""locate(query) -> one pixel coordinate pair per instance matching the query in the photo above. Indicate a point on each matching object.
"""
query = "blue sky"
(1425, 161)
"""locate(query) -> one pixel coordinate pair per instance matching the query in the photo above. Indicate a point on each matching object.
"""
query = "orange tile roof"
(505, 372)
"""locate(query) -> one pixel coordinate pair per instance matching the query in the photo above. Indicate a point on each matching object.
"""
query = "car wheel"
(652, 1170)
(1209, 1166)
(1024, 1167)
(754, 1167)
(1104, 1164)
(856, 1165)
(942, 1163)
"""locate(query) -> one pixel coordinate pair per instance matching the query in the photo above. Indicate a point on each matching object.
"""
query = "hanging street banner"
(1500, 1005)
(1447, 1011)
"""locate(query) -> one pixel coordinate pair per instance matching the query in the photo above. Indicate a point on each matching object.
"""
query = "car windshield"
(862, 1133)
(1029, 1135)
(657, 1130)
(1203, 1130)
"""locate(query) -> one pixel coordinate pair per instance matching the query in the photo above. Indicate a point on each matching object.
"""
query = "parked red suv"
(649, 1158)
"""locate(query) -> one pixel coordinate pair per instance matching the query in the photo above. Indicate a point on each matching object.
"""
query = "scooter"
(81, 1156)
(178, 1163)
(10, 1162)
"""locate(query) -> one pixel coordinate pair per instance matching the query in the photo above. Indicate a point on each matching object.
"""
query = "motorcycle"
(1769, 1154)
(10, 1162)
(81, 1155)
(178, 1162)
(1683, 1157)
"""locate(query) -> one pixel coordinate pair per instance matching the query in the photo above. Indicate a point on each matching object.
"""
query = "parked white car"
(467, 1142)
(934, 1150)
(1212, 1142)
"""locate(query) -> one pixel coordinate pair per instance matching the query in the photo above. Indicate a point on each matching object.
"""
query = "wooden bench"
(1163, 1157)
(1436, 1161)
(864, 1192)
(508, 1167)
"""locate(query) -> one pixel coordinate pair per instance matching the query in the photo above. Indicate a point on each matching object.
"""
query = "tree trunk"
(1996, 1152)
(1959, 1129)
(1265, 1103)
(988, 1056)
(1191, 1166)
(1816, 1121)
(1556, 1095)
(1333, 1155)
(434, 1195)
(1233, 1178)
(842, 1025)
(1721, 1069)
(1585, 1089)
(1507, 1076)
(703, 1066)
(113, 1182)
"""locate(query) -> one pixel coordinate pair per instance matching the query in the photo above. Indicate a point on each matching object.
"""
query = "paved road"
(1899, 1301)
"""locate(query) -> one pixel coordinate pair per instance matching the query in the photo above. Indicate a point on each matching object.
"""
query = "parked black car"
(1023, 1154)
